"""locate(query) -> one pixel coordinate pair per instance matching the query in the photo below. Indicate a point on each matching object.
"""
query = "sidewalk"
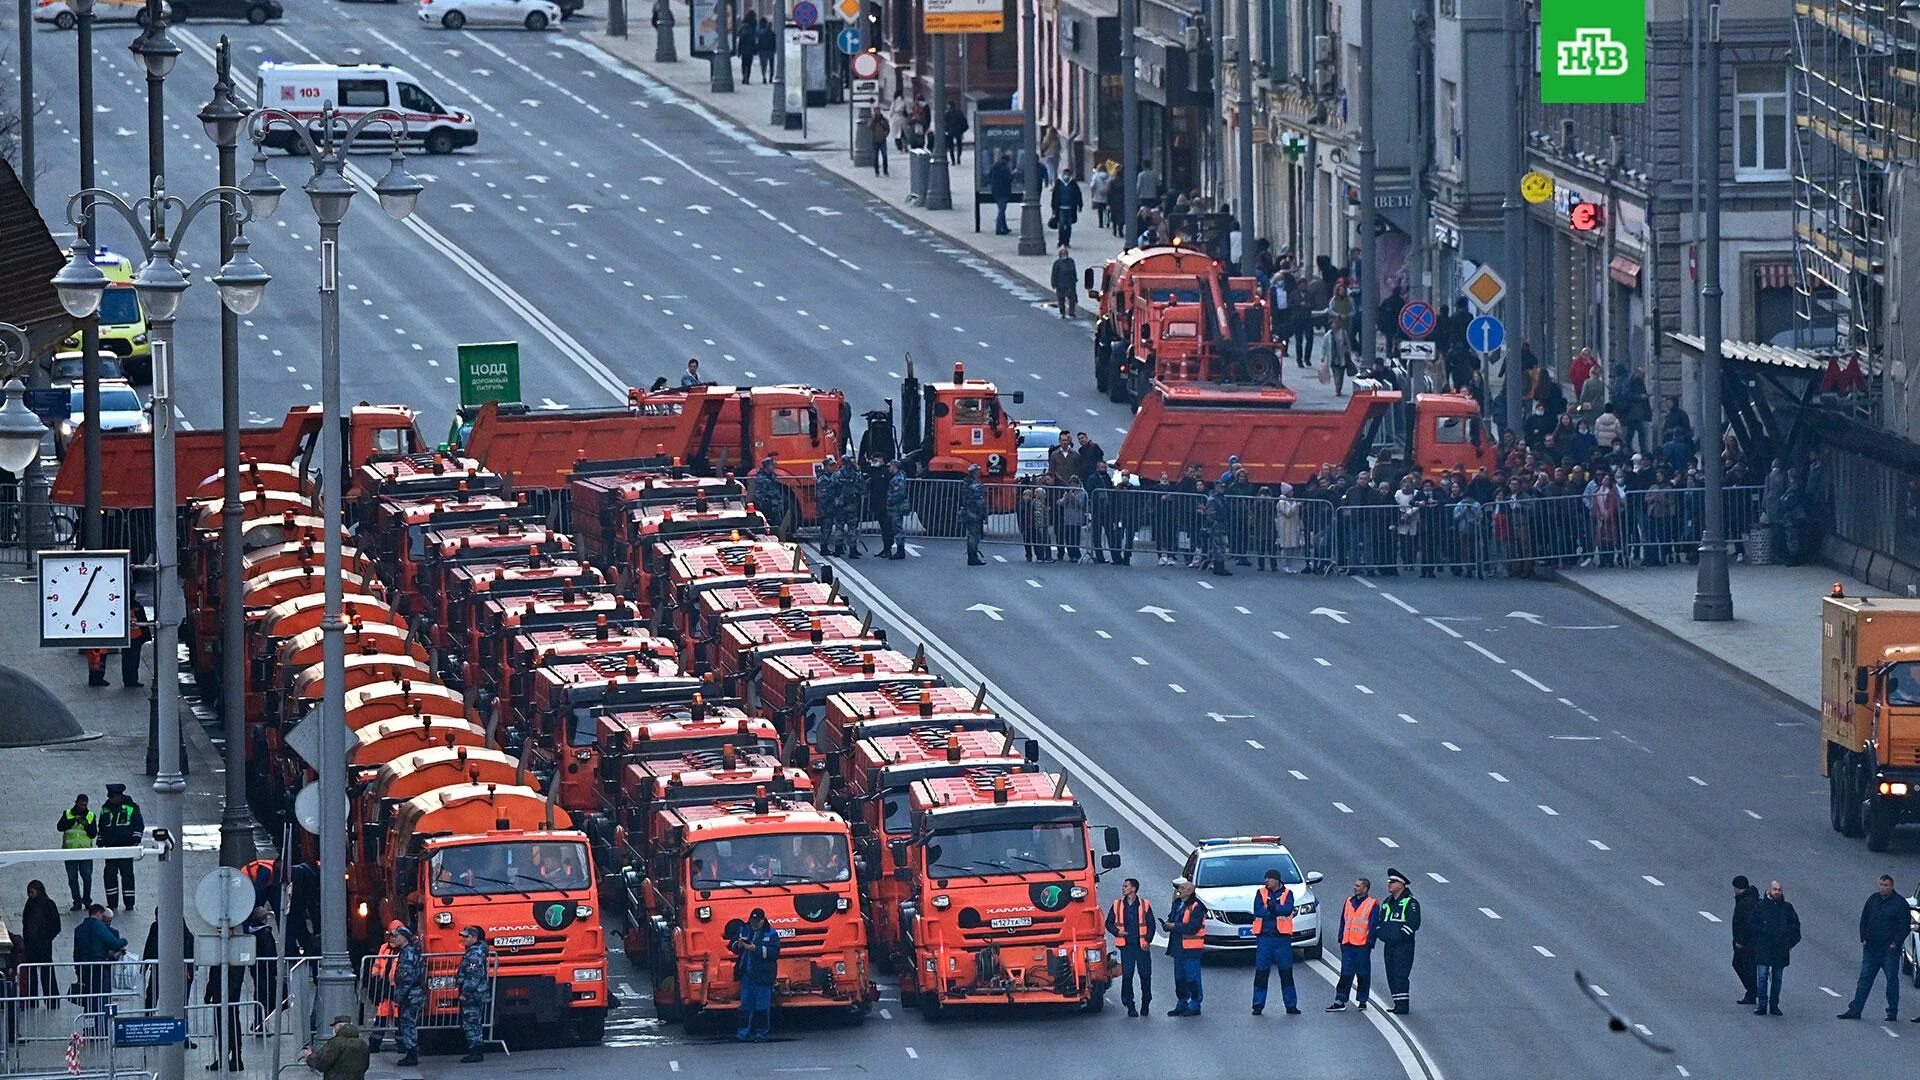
(1774, 638)
(750, 107)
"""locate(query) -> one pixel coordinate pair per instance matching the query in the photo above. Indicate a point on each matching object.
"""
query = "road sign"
(800, 36)
(848, 40)
(1414, 352)
(866, 65)
(806, 14)
(224, 897)
(489, 371)
(1485, 334)
(52, 405)
(1536, 187)
(849, 9)
(963, 16)
(1485, 288)
(1417, 319)
(864, 91)
(149, 1031)
(304, 739)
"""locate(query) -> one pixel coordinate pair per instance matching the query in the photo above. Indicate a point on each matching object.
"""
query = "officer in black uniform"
(120, 825)
(1399, 922)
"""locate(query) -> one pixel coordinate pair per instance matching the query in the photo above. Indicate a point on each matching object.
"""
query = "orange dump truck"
(794, 689)
(896, 709)
(1001, 911)
(1870, 713)
(717, 862)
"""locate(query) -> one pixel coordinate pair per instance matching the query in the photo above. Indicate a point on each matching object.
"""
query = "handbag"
(1053, 222)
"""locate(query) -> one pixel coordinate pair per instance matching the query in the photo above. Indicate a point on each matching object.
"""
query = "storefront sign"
(964, 17)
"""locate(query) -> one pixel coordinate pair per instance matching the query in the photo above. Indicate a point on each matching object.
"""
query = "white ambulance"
(355, 90)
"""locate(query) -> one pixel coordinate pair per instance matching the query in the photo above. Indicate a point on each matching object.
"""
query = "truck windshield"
(1013, 849)
(119, 306)
(1903, 683)
(1174, 296)
(773, 859)
(484, 869)
(1233, 871)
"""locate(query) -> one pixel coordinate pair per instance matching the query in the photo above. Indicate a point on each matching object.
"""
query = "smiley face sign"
(1536, 187)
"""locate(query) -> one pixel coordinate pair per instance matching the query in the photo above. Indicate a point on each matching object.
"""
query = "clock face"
(84, 598)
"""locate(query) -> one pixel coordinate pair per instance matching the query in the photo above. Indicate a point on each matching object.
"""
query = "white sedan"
(454, 14)
(1226, 873)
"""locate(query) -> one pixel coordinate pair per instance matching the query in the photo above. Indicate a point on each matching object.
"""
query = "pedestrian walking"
(1216, 526)
(1000, 188)
(765, 46)
(1066, 203)
(409, 991)
(973, 514)
(1273, 942)
(1186, 927)
(1399, 923)
(954, 126)
(475, 992)
(1147, 187)
(746, 41)
(1776, 930)
(1130, 922)
(39, 925)
(77, 829)
(1065, 278)
(1359, 929)
(119, 825)
(1097, 186)
(1885, 921)
(756, 952)
(342, 1057)
(1745, 897)
(878, 129)
(1050, 153)
(893, 521)
(897, 122)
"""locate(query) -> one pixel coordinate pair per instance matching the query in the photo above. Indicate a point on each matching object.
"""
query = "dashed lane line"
(1486, 652)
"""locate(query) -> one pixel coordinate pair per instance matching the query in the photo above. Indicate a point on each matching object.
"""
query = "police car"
(1037, 439)
(1226, 873)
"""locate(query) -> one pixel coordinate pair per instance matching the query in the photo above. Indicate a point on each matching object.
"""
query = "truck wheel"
(932, 1008)
(1097, 1000)
(1853, 823)
(1837, 796)
(1880, 816)
(857, 1014)
(1117, 390)
(1100, 376)
(590, 1027)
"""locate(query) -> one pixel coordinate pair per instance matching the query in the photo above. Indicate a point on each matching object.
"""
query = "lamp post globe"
(329, 192)
(222, 117)
(261, 186)
(160, 283)
(398, 190)
(242, 281)
(156, 49)
(80, 283)
(20, 430)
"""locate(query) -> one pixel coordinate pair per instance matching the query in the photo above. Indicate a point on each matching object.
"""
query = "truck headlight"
(942, 902)
(696, 977)
(444, 918)
(704, 913)
(581, 975)
(1078, 892)
(1895, 788)
(1093, 956)
(840, 903)
(582, 911)
(140, 339)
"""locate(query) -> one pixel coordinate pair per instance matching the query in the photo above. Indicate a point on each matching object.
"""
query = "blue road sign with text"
(1485, 334)
(1417, 319)
(149, 1031)
(849, 40)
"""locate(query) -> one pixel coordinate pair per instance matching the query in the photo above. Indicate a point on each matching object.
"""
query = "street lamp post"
(329, 192)
(720, 73)
(223, 117)
(1032, 240)
(780, 66)
(1367, 146)
(1243, 147)
(90, 328)
(160, 283)
(939, 180)
(663, 48)
(26, 97)
(1712, 591)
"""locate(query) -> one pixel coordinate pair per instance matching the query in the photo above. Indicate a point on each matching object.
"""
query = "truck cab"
(1001, 909)
(1870, 714)
(716, 863)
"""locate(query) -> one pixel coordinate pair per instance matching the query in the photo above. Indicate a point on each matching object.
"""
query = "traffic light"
(1586, 216)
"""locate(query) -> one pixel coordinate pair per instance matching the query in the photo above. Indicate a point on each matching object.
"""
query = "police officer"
(1130, 921)
(1215, 512)
(1359, 926)
(768, 496)
(826, 502)
(77, 830)
(1399, 922)
(1186, 927)
(120, 825)
(892, 546)
(1273, 942)
(756, 950)
(973, 514)
(474, 992)
(851, 504)
(409, 990)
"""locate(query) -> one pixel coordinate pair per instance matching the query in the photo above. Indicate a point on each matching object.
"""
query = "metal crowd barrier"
(380, 1013)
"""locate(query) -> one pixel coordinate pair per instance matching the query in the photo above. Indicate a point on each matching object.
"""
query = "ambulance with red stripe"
(355, 90)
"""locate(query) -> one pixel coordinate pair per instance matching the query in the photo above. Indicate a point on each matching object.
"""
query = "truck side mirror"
(898, 849)
(1030, 751)
(1109, 861)
(1860, 686)
(1019, 397)
(1112, 839)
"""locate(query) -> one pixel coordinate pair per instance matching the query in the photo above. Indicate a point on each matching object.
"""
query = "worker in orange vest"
(1130, 921)
(387, 1010)
(1273, 942)
(1359, 926)
(96, 666)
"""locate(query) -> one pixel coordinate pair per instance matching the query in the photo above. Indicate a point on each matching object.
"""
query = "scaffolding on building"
(1856, 98)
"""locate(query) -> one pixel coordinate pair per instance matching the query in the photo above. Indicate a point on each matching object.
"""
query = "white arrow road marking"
(463, 206)
(654, 180)
(1337, 616)
(1526, 616)
(1164, 614)
(823, 211)
(913, 550)
(579, 207)
(538, 179)
(483, 72)
(531, 103)
(989, 611)
(703, 211)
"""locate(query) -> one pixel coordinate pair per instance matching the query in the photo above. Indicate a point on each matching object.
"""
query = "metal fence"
(57, 1018)
(1511, 534)
(380, 1012)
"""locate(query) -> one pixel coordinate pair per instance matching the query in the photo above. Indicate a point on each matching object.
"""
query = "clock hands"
(91, 578)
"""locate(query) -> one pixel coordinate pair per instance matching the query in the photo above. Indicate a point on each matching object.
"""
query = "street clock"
(86, 599)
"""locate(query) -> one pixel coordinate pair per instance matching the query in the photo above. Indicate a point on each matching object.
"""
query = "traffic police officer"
(1399, 922)
(1186, 927)
(120, 825)
(1359, 926)
(973, 514)
(77, 830)
(1130, 921)
(892, 546)
(474, 992)
(409, 991)
(1273, 942)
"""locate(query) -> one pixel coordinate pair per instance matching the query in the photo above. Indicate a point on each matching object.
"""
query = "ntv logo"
(1593, 51)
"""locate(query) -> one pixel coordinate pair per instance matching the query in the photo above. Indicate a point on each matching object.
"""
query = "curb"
(1717, 660)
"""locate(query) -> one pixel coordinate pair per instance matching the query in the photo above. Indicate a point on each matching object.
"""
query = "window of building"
(1449, 118)
(1760, 123)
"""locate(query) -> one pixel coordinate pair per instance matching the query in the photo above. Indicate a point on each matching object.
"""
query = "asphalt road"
(615, 230)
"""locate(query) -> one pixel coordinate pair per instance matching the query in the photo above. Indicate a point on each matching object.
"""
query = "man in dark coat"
(1776, 930)
(1745, 896)
(1066, 283)
(1884, 923)
(756, 951)
(1000, 187)
(1066, 203)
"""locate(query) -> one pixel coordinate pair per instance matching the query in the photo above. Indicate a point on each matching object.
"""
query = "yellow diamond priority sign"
(848, 9)
(1484, 288)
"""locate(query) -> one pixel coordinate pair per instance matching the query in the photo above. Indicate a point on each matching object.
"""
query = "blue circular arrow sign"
(849, 40)
(1486, 334)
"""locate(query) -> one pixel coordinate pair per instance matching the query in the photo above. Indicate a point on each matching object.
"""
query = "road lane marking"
(1033, 583)
(1408, 718)
(1436, 877)
(1490, 913)
(1255, 745)
(1498, 777)
(1543, 951)
(1697, 780)
(1753, 815)
(1323, 661)
(1399, 603)
(1282, 635)
(1365, 582)
(1830, 991)
(1450, 746)
(912, 1053)
(1176, 688)
(1600, 846)
(1068, 608)
(1709, 916)
(1387, 840)
(1531, 681)
(1598, 990)
(1443, 627)
(1343, 808)
(1141, 660)
(1484, 651)
(1104, 635)
(1651, 880)
(886, 1014)
(1296, 774)
(1362, 689)
(1204, 584)
(1548, 810)
(1242, 610)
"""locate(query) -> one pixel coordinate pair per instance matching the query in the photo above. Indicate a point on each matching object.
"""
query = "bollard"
(617, 18)
(663, 50)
